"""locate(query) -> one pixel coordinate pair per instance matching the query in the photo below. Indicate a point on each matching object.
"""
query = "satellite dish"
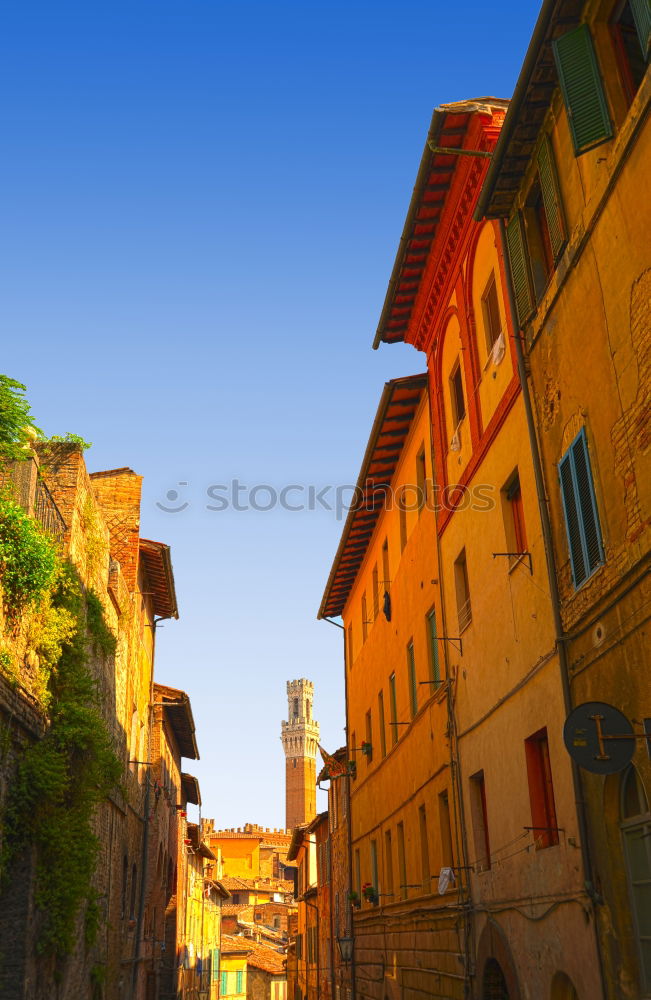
(599, 738)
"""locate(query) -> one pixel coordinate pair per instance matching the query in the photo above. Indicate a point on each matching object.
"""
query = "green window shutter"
(587, 504)
(580, 508)
(519, 268)
(641, 10)
(215, 965)
(583, 92)
(224, 984)
(434, 648)
(551, 196)
(238, 981)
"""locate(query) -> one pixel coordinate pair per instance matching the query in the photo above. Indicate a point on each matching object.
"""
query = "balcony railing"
(33, 495)
(465, 615)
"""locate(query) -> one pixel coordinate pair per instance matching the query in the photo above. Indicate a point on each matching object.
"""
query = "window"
(456, 395)
(491, 313)
(480, 821)
(380, 712)
(296, 708)
(358, 873)
(421, 479)
(424, 850)
(349, 645)
(376, 592)
(631, 24)
(394, 709)
(239, 981)
(516, 539)
(536, 237)
(413, 682)
(541, 790)
(215, 965)
(402, 511)
(582, 89)
(224, 983)
(636, 835)
(464, 609)
(374, 873)
(446, 831)
(385, 567)
(434, 663)
(369, 737)
(364, 618)
(580, 508)
(388, 861)
(402, 864)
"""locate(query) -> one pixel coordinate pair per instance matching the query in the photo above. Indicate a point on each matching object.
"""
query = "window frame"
(576, 515)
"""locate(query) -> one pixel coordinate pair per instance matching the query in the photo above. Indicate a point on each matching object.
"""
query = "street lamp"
(345, 945)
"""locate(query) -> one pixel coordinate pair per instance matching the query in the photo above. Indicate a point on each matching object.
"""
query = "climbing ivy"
(63, 777)
(28, 558)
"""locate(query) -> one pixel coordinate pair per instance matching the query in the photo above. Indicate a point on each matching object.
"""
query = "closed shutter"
(239, 981)
(551, 197)
(519, 268)
(641, 10)
(582, 89)
(580, 508)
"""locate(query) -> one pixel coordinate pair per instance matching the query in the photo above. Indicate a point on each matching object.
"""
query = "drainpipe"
(313, 906)
(560, 636)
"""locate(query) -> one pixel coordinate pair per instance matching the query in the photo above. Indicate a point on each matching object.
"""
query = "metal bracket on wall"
(517, 555)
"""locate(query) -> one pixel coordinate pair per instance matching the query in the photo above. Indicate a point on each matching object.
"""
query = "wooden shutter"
(587, 504)
(572, 520)
(580, 507)
(582, 89)
(641, 10)
(519, 268)
(551, 197)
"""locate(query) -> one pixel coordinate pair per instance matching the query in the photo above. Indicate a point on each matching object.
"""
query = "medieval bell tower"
(300, 739)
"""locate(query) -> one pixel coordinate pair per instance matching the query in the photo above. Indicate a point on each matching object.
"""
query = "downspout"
(560, 636)
(455, 765)
(314, 906)
(349, 840)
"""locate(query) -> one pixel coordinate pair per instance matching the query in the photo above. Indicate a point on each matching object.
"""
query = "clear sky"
(201, 207)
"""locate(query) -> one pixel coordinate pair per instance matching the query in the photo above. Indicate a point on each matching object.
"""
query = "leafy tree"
(17, 429)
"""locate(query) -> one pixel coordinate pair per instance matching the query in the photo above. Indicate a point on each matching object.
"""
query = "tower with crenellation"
(300, 739)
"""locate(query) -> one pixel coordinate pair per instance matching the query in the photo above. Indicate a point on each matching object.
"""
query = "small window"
(374, 871)
(541, 790)
(421, 480)
(413, 680)
(491, 312)
(296, 708)
(541, 259)
(516, 538)
(456, 395)
(424, 850)
(464, 609)
(402, 862)
(383, 735)
(364, 618)
(385, 567)
(376, 592)
(630, 27)
(224, 983)
(239, 981)
(434, 662)
(580, 509)
(445, 828)
(369, 737)
(394, 709)
(402, 511)
(388, 862)
(349, 646)
(479, 816)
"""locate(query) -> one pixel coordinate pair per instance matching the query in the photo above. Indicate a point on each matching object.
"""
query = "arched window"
(635, 823)
(494, 984)
(563, 988)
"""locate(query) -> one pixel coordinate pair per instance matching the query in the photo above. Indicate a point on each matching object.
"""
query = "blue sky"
(201, 207)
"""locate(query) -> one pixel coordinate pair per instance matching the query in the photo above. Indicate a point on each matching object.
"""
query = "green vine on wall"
(63, 777)
(28, 558)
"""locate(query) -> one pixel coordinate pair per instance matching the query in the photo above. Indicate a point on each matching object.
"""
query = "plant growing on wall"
(28, 559)
(17, 428)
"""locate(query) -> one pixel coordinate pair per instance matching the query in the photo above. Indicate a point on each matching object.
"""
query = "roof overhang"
(191, 790)
(198, 845)
(398, 405)
(298, 837)
(158, 566)
(219, 888)
(529, 105)
(449, 128)
(176, 705)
